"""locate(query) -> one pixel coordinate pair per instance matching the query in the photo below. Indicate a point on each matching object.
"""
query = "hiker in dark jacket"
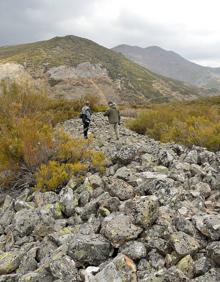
(85, 115)
(113, 117)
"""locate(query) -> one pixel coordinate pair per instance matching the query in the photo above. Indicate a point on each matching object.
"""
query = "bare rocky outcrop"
(152, 216)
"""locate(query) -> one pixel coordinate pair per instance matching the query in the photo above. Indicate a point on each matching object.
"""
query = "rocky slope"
(70, 67)
(152, 217)
(171, 64)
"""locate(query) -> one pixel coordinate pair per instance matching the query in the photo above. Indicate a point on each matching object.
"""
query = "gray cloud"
(31, 20)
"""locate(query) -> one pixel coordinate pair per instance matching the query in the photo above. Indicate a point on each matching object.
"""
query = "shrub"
(29, 143)
(195, 123)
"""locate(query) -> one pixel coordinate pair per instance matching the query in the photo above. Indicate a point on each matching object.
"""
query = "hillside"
(152, 216)
(71, 66)
(170, 64)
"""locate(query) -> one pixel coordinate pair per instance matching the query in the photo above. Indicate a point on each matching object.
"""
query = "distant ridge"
(172, 65)
(71, 66)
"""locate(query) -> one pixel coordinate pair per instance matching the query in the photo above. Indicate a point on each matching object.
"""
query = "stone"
(184, 244)
(89, 249)
(68, 201)
(123, 173)
(42, 199)
(156, 260)
(134, 250)
(166, 157)
(126, 154)
(120, 269)
(144, 209)
(192, 157)
(64, 268)
(184, 225)
(40, 274)
(186, 265)
(25, 221)
(118, 228)
(208, 225)
(9, 262)
(95, 181)
(214, 251)
(121, 189)
(203, 188)
(213, 275)
(202, 265)
(19, 205)
(10, 278)
(28, 262)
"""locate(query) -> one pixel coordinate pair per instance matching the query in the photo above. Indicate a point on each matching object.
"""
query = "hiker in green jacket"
(113, 117)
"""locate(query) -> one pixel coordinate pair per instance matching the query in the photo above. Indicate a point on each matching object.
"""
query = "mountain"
(71, 66)
(172, 65)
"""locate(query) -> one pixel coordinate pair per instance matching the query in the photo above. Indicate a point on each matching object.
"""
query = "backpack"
(85, 114)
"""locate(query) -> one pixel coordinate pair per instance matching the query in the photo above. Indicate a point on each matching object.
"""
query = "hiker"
(113, 117)
(85, 115)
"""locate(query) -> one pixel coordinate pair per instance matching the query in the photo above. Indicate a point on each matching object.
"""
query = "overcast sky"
(188, 27)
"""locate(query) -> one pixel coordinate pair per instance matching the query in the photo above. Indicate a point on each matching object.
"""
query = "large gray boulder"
(184, 244)
(121, 269)
(144, 209)
(25, 221)
(118, 228)
(119, 188)
(134, 250)
(214, 251)
(68, 201)
(208, 225)
(9, 262)
(89, 249)
(64, 268)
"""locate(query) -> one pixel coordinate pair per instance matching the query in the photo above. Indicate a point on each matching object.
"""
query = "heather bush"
(30, 144)
(195, 123)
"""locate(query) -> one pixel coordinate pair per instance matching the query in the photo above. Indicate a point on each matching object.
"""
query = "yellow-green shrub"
(186, 123)
(54, 174)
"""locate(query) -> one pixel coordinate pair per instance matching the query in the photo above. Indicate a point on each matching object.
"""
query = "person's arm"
(119, 118)
(106, 113)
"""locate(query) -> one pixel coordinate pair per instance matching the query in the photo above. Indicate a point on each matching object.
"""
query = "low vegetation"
(188, 123)
(30, 144)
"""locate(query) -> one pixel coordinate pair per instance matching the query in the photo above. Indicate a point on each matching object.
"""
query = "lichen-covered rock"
(39, 275)
(64, 268)
(184, 244)
(214, 251)
(10, 277)
(121, 269)
(166, 275)
(143, 209)
(208, 225)
(68, 201)
(213, 275)
(202, 265)
(89, 249)
(26, 220)
(42, 199)
(134, 250)
(118, 228)
(126, 154)
(123, 173)
(9, 262)
(119, 188)
(186, 265)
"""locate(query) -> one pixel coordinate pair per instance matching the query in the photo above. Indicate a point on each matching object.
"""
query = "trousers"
(85, 129)
(116, 130)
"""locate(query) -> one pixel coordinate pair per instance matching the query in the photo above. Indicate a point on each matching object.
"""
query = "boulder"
(208, 225)
(9, 262)
(144, 210)
(126, 154)
(121, 269)
(64, 268)
(25, 221)
(134, 250)
(118, 228)
(119, 188)
(214, 251)
(89, 249)
(186, 265)
(184, 244)
(68, 201)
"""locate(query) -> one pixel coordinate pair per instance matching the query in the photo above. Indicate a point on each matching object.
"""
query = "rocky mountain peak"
(152, 216)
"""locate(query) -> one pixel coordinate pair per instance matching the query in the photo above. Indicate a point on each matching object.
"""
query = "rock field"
(152, 217)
